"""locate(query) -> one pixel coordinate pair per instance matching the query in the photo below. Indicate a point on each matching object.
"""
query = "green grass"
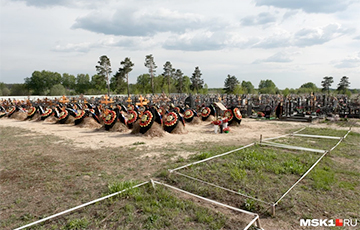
(266, 173)
(146, 209)
(64, 176)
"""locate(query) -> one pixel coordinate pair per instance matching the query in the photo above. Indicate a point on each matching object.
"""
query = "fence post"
(273, 210)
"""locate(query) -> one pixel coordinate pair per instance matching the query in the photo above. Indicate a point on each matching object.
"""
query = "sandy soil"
(247, 132)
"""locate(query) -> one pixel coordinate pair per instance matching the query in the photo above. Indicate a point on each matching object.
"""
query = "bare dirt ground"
(248, 131)
(90, 167)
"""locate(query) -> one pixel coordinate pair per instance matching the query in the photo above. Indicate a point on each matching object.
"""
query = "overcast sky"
(288, 41)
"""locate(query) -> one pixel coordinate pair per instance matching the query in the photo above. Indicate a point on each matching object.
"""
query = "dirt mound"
(155, 130)
(195, 121)
(179, 129)
(19, 116)
(89, 123)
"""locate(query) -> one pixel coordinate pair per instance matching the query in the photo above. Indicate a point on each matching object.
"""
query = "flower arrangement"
(171, 119)
(226, 130)
(229, 114)
(146, 119)
(216, 122)
(261, 114)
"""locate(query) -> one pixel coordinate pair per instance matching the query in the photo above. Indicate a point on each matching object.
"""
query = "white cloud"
(310, 6)
(280, 57)
(145, 22)
(350, 62)
(260, 19)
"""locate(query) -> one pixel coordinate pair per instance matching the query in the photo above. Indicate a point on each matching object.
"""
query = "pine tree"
(326, 83)
(196, 82)
(149, 63)
(180, 87)
(168, 74)
(104, 69)
(126, 69)
(230, 84)
(343, 85)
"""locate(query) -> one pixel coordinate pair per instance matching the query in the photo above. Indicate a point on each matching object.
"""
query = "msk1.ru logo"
(328, 222)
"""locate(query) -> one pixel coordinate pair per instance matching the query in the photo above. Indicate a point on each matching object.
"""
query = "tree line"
(233, 86)
(171, 80)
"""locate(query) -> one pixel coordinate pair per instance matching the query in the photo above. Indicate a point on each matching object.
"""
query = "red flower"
(216, 122)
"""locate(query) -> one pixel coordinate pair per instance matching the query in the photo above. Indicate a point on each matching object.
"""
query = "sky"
(290, 42)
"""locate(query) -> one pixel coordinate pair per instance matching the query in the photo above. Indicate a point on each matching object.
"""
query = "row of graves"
(150, 115)
(304, 108)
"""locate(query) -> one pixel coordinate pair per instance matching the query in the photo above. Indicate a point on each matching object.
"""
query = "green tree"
(51, 78)
(344, 84)
(82, 83)
(5, 91)
(187, 84)
(41, 82)
(68, 81)
(159, 83)
(143, 83)
(104, 70)
(247, 87)
(168, 74)
(179, 81)
(196, 81)
(326, 83)
(57, 90)
(204, 90)
(126, 68)
(238, 90)
(98, 83)
(150, 64)
(19, 90)
(230, 83)
(308, 88)
(267, 87)
(286, 92)
(117, 82)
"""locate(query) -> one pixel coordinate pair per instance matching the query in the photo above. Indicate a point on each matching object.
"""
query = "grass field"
(42, 175)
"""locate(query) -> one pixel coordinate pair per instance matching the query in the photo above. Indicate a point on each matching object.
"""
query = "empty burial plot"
(310, 139)
(252, 178)
(150, 206)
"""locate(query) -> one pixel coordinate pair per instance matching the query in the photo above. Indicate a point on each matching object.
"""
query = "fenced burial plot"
(257, 178)
(148, 205)
(252, 178)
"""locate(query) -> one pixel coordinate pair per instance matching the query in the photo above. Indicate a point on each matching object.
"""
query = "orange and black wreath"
(46, 114)
(237, 115)
(11, 111)
(79, 117)
(171, 121)
(189, 115)
(110, 119)
(146, 121)
(63, 116)
(229, 115)
(205, 113)
(94, 116)
(133, 117)
(31, 112)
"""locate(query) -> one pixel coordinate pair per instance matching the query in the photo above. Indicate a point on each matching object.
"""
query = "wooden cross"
(129, 101)
(63, 99)
(106, 102)
(142, 100)
(73, 100)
